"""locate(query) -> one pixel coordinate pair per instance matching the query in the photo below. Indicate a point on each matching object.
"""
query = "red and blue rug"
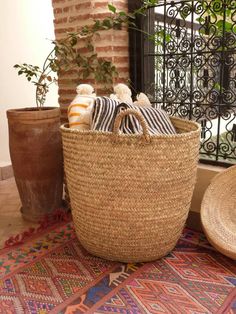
(50, 272)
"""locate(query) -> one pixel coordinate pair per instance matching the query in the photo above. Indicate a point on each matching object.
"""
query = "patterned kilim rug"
(51, 273)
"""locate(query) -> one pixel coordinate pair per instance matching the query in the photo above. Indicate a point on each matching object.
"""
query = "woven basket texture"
(218, 212)
(130, 194)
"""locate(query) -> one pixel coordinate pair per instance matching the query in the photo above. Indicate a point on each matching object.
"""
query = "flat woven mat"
(51, 273)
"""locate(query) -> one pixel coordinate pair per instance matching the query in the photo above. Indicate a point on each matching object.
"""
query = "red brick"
(111, 49)
(66, 9)
(83, 50)
(120, 5)
(65, 101)
(67, 91)
(64, 30)
(80, 14)
(104, 49)
(58, 1)
(104, 92)
(103, 36)
(61, 20)
(66, 81)
(79, 18)
(82, 6)
(120, 48)
(57, 11)
(121, 59)
(103, 4)
(121, 37)
(100, 16)
(122, 69)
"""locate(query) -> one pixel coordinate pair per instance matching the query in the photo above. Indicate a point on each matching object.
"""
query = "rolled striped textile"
(103, 114)
(79, 112)
(106, 109)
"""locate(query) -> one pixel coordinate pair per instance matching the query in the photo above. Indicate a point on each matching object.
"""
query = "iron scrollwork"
(195, 69)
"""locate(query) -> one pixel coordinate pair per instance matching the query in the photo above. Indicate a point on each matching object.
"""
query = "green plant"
(60, 57)
(226, 142)
(64, 54)
(217, 13)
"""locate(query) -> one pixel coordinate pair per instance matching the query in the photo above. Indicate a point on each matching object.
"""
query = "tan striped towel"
(79, 112)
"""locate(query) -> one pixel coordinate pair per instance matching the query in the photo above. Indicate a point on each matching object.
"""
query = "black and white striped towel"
(103, 114)
(106, 109)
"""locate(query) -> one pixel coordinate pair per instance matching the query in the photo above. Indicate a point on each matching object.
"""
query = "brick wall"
(70, 16)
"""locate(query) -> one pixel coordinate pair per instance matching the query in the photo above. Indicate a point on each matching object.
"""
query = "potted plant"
(35, 139)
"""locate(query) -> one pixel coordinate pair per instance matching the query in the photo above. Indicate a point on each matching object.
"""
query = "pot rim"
(33, 113)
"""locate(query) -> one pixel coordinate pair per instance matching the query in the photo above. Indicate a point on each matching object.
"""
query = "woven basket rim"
(65, 128)
(213, 235)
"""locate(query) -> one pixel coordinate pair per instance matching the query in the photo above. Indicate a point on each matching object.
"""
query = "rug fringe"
(60, 215)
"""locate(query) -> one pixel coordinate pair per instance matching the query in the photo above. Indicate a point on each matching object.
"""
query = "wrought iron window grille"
(187, 66)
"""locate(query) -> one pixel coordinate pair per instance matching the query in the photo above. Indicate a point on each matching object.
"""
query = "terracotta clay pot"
(36, 155)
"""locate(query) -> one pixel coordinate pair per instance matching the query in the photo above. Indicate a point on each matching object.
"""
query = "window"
(184, 58)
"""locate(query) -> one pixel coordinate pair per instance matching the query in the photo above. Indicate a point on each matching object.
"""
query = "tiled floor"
(11, 222)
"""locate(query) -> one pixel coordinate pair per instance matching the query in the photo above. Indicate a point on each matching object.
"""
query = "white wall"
(25, 29)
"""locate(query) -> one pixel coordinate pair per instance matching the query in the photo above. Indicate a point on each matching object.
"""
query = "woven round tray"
(218, 212)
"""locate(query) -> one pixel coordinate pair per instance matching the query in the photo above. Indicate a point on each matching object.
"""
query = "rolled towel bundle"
(142, 101)
(106, 109)
(79, 111)
(122, 93)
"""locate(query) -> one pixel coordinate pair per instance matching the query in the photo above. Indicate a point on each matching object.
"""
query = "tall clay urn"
(36, 155)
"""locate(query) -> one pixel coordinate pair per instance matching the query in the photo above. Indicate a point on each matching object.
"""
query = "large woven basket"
(130, 194)
(218, 212)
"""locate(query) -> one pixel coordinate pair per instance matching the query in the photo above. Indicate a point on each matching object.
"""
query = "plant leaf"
(111, 8)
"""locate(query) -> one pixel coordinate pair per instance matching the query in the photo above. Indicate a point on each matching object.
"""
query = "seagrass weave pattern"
(130, 194)
(218, 212)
